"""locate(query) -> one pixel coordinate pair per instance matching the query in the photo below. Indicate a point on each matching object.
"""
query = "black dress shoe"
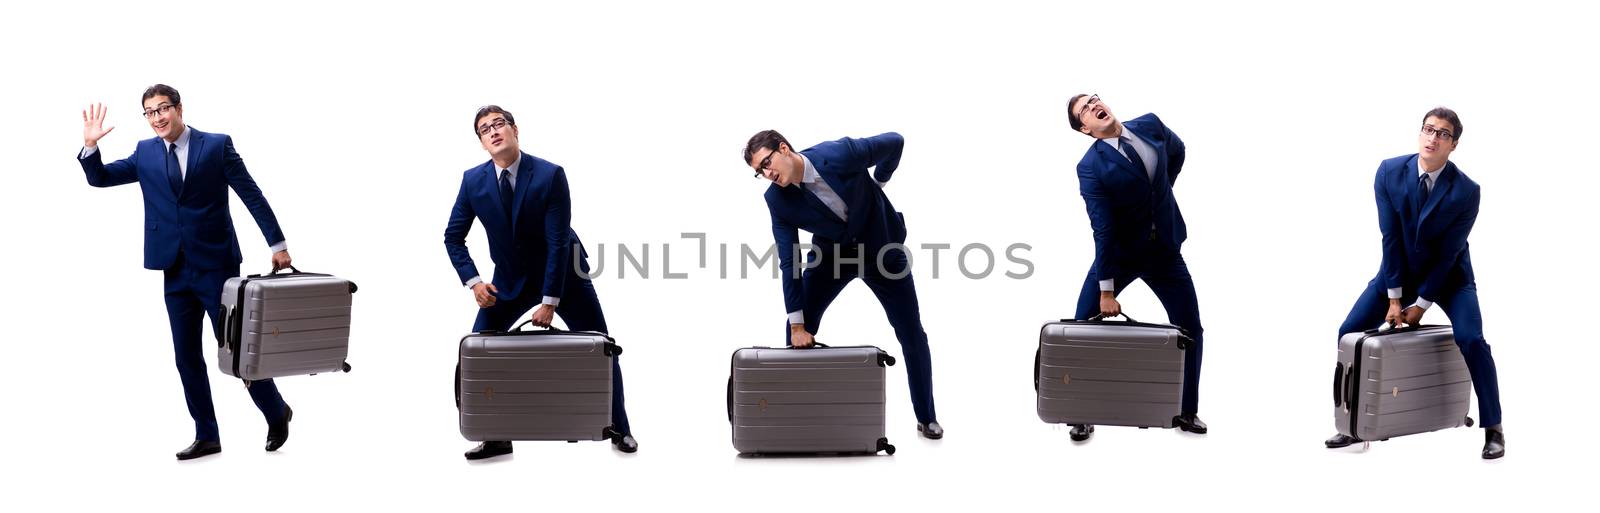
(278, 433)
(200, 448)
(625, 443)
(1190, 423)
(1081, 432)
(489, 450)
(1341, 440)
(1494, 444)
(931, 430)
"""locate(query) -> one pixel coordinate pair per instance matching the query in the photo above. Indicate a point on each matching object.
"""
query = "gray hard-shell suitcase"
(536, 385)
(816, 400)
(286, 324)
(1113, 373)
(1401, 381)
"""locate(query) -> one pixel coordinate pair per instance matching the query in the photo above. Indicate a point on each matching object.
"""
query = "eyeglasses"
(160, 109)
(484, 129)
(1430, 131)
(1092, 101)
(765, 164)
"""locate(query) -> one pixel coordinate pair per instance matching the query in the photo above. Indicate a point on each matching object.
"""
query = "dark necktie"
(174, 173)
(505, 191)
(1133, 156)
(1424, 189)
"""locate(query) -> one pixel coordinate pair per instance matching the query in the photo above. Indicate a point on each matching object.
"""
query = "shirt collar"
(811, 175)
(515, 164)
(1114, 141)
(183, 138)
(1434, 173)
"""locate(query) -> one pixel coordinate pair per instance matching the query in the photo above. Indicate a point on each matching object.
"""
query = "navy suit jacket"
(535, 245)
(873, 222)
(1124, 202)
(1425, 244)
(194, 219)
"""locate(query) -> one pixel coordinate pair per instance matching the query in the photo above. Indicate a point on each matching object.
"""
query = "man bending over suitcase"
(856, 233)
(523, 203)
(185, 175)
(1126, 180)
(1426, 207)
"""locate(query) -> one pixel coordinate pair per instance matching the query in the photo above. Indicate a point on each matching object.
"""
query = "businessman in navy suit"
(1426, 208)
(185, 175)
(523, 203)
(1126, 181)
(827, 190)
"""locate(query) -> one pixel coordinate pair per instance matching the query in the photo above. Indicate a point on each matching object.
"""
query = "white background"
(354, 120)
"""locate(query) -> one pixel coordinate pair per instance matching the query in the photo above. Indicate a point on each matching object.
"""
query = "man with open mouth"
(1126, 179)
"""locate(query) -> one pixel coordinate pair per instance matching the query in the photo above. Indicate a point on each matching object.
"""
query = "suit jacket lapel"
(1413, 191)
(524, 177)
(854, 224)
(196, 143)
(1447, 177)
(1116, 159)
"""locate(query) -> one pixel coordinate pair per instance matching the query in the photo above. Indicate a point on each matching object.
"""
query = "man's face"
(782, 166)
(1437, 139)
(498, 136)
(1094, 114)
(165, 118)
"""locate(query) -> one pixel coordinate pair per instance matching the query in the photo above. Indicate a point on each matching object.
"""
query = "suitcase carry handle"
(1390, 328)
(1102, 317)
(612, 349)
(530, 321)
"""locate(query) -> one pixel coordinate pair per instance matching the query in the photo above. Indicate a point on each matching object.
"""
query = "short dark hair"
(486, 110)
(1072, 116)
(161, 90)
(769, 139)
(1447, 115)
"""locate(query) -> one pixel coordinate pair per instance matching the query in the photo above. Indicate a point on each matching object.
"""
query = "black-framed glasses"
(765, 163)
(160, 109)
(497, 124)
(1430, 131)
(1092, 101)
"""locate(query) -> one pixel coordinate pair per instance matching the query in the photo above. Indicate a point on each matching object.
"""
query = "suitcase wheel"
(572, 441)
(345, 367)
(1469, 421)
(1144, 427)
(885, 446)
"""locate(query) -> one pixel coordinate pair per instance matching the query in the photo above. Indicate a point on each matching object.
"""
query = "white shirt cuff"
(797, 317)
(1108, 285)
(282, 245)
(1422, 303)
(881, 184)
(552, 301)
(474, 281)
(1394, 293)
(87, 151)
